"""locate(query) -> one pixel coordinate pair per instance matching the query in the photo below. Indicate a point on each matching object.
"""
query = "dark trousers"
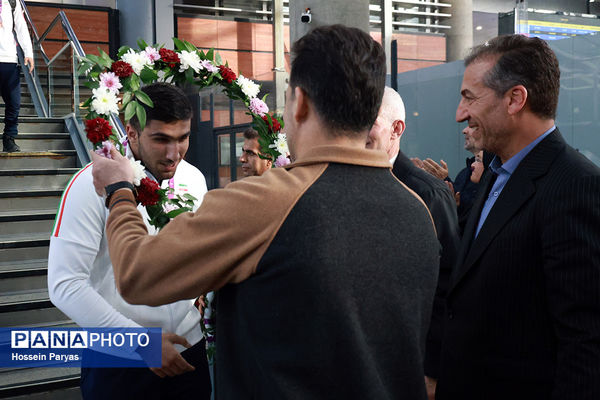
(141, 383)
(10, 88)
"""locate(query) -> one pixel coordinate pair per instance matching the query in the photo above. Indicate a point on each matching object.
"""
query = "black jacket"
(524, 300)
(442, 207)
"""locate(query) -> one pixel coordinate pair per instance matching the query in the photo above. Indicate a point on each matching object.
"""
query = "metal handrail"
(72, 121)
(73, 42)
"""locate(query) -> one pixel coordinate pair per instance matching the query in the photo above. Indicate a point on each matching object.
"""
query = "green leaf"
(179, 45)
(130, 110)
(92, 84)
(218, 60)
(122, 50)
(87, 103)
(94, 58)
(105, 57)
(141, 114)
(126, 97)
(142, 44)
(148, 75)
(134, 83)
(189, 75)
(210, 54)
(173, 213)
(189, 197)
(190, 47)
(143, 97)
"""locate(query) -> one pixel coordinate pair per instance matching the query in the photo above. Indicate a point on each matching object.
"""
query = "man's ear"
(398, 129)
(303, 105)
(517, 98)
(132, 133)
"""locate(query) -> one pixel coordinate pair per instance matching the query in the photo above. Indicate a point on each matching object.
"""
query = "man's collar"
(344, 155)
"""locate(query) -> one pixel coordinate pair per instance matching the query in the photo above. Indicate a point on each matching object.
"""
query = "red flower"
(122, 69)
(169, 56)
(147, 192)
(275, 127)
(227, 74)
(98, 130)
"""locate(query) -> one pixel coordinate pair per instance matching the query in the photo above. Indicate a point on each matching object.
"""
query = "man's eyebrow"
(164, 135)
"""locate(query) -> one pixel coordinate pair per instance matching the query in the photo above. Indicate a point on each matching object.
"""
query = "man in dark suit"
(385, 135)
(523, 306)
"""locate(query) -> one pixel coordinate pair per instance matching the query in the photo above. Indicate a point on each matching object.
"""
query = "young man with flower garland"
(80, 274)
(317, 300)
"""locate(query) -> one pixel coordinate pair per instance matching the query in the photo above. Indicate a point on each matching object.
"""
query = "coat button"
(450, 313)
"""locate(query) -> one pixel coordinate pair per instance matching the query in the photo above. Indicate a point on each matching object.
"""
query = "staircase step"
(41, 383)
(44, 316)
(44, 141)
(15, 287)
(29, 200)
(18, 248)
(39, 125)
(49, 179)
(25, 300)
(38, 159)
(27, 222)
(23, 268)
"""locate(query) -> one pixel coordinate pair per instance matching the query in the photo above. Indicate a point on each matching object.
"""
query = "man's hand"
(106, 171)
(435, 169)
(417, 162)
(430, 386)
(173, 362)
(29, 61)
(200, 304)
(456, 194)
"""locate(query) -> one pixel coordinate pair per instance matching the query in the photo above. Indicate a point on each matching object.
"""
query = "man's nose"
(173, 151)
(461, 112)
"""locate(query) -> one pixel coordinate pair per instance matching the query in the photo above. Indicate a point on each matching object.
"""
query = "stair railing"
(43, 104)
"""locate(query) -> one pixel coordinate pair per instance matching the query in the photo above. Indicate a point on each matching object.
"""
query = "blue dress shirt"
(504, 171)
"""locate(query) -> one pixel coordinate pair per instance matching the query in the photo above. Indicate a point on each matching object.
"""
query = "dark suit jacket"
(523, 307)
(442, 207)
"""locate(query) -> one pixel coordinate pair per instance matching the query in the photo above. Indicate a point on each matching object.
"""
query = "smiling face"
(161, 146)
(485, 112)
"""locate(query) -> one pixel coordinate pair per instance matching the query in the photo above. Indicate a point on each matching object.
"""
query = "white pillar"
(460, 36)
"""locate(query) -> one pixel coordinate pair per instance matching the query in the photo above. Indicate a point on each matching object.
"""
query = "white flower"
(137, 60)
(104, 101)
(248, 86)
(280, 144)
(189, 59)
(138, 171)
(161, 76)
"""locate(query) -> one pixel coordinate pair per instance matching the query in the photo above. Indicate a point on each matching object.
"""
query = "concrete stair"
(31, 184)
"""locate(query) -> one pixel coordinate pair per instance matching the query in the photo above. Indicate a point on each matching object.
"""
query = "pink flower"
(151, 54)
(257, 106)
(282, 161)
(110, 81)
(210, 67)
(104, 151)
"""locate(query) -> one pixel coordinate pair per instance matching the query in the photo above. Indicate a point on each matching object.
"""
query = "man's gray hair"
(392, 106)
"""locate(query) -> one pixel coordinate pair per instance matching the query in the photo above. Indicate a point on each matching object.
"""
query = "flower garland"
(116, 88)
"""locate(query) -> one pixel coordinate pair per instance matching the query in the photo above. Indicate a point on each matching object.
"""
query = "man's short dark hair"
(250, 134)
(342, 71)
(526, 61)
(170, 104)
